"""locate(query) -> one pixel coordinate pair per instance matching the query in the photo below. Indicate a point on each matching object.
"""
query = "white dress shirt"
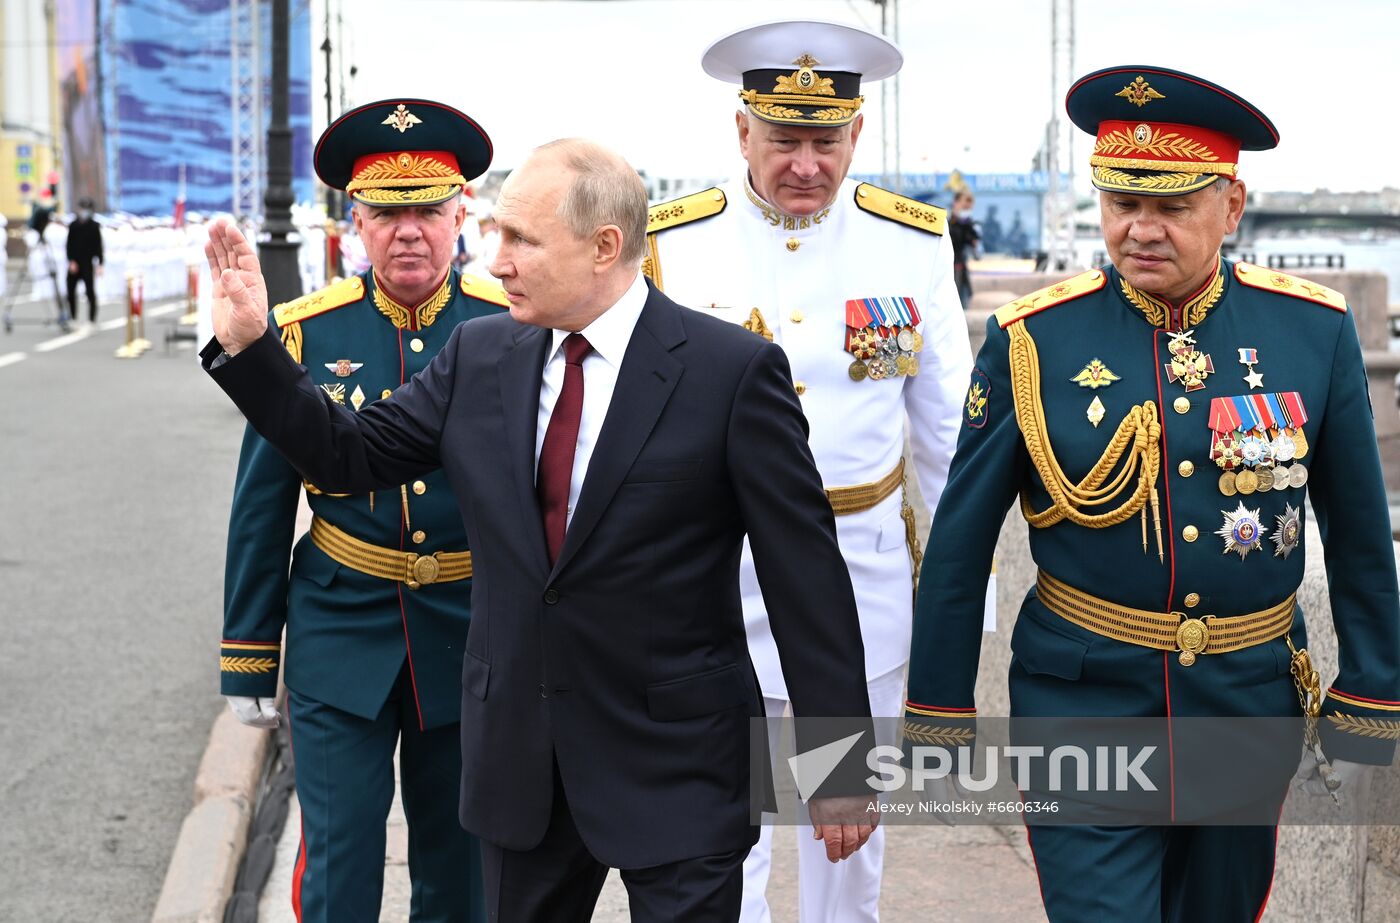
(609, 335)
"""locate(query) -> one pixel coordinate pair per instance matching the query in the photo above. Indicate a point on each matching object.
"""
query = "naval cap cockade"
(802, 72)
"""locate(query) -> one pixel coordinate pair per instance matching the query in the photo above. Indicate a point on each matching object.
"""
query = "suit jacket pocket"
(475, 673)
(655, 470)
(1041, 646)
(696, 695)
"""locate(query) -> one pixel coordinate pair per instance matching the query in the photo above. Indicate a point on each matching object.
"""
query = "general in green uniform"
(1163, 420)
(378, 598)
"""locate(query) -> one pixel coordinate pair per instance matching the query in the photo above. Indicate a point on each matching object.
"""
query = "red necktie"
(560, 441)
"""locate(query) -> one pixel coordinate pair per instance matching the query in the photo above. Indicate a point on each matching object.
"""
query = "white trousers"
(841, 892)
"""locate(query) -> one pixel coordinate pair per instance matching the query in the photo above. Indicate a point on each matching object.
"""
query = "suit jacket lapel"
(648, 375)
(520, 371)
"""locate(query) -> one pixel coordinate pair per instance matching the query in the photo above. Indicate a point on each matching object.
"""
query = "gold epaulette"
(484, 290)
(1051, 295)
(1271, 280)
(673, 214)
(335, 295)
(895, 207)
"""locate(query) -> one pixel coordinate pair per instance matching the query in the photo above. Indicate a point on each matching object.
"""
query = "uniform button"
(416, 345)
(1190, 533)
(544, 693)
(793, 243)
(1193, 600)
(551, 596)
(1186, 469)
(420, 488)
(420, 537)
(385, 393)
(1181, 404)
(800, 387)
(797, 316)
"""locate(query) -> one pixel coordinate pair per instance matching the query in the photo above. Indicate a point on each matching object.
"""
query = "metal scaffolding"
(247, 98)
(1059, 142)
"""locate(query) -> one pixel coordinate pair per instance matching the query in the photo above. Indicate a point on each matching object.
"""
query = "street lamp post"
(277, 250)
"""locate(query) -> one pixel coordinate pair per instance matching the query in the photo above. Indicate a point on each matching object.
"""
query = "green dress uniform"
(1162, 454)
(369, 656)
(377, 600)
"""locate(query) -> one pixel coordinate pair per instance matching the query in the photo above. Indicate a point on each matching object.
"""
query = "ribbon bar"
(858, 314)
(1223, 416)
(1293, 406)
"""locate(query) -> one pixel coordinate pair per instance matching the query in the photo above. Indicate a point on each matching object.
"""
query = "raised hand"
(239, 292)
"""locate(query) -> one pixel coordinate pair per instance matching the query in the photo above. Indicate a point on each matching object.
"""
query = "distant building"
(147, 86)
(1008, 206)
(28, 107)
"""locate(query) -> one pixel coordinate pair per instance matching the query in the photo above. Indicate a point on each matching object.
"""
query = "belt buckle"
(421, 570)
(1192, 638)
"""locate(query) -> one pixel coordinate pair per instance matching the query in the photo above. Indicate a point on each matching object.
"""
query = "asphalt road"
(115, 478)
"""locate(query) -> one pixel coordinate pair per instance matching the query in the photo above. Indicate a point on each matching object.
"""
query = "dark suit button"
(544, 694)
(551, 596)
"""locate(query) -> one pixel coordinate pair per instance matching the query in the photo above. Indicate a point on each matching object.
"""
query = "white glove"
(1318, 777)
(256, 713)
(945, 791)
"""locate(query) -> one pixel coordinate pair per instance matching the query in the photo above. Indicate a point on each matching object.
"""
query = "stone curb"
(204, 864)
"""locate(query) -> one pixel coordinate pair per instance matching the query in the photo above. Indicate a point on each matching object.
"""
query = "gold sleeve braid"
(1133, 449)
(291, 338)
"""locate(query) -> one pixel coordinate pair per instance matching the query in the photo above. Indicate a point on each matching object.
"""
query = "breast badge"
(1287, 532)
(344, 368)
(1249, 357)
(335, 392)
(1241, 531)
(1189, 366)
(1095, 412)
(1095, 375)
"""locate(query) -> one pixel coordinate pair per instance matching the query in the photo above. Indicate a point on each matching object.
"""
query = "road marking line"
(64, 340)
(12, 358)
(160, 311)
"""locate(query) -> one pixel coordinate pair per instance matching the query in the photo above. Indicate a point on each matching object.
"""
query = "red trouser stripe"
(300, 869)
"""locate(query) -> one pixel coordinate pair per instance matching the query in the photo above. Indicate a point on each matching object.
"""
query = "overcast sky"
(974, 91)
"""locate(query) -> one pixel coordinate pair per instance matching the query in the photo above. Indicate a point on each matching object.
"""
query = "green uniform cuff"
(249, 668)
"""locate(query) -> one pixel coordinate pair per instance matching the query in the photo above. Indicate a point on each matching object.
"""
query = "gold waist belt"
(862, 497)
(1165, 631)
(391, 564)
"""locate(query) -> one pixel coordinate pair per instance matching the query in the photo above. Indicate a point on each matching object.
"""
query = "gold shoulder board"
(895, 207)
(1051, 295)
(673, 214)
(1271, 280)
(484, 290)
(335, 295)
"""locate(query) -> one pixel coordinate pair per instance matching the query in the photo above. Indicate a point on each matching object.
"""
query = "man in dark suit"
(609, 451)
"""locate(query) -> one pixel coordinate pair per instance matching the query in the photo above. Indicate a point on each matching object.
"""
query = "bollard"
(136, 342)
(191, 315)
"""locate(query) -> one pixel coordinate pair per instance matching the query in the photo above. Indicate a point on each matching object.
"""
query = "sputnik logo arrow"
(810, 769)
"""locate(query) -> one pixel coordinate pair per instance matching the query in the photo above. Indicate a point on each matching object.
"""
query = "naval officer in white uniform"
(856, 284)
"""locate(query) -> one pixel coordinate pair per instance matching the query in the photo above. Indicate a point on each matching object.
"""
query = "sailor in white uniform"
(856, 284)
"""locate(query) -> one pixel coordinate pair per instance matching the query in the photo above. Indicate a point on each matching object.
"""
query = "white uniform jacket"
(798, 274)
